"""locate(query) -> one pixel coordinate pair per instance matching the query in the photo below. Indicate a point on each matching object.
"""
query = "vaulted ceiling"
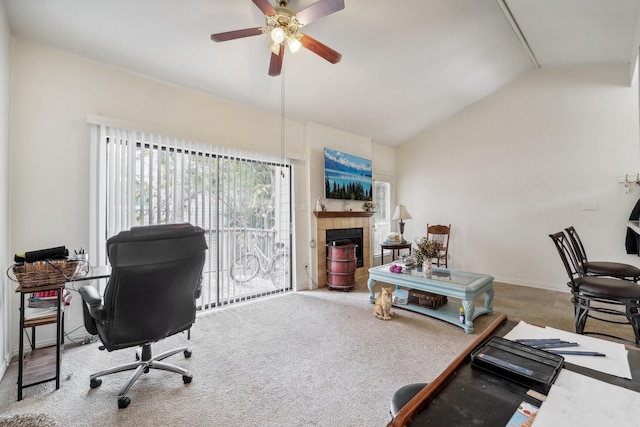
(406, 65)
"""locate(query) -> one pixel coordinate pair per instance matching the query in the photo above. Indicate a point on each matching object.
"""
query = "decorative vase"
(429, 266)
(419, 267)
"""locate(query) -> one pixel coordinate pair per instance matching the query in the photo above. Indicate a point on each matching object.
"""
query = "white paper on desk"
(578, 400)
(615, 362)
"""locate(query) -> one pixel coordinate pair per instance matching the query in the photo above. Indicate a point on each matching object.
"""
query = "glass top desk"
(450, 283)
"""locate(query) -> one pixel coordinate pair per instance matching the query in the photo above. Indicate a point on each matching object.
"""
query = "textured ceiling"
(406, 65)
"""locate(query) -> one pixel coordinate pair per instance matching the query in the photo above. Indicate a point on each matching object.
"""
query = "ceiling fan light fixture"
(294, 44)
(278, 35)
(283, 26)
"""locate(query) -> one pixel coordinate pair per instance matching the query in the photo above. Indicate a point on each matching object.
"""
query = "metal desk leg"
(20, 349)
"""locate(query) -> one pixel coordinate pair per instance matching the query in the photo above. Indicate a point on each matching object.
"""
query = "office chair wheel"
(123, 402)
(95, 383)
(187, 354)
(146, 370)
(187, 378)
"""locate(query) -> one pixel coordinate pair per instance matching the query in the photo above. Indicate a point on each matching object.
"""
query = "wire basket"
(43, 273)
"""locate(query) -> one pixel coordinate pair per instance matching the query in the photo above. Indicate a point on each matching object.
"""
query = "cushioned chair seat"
(608, 287)
(403, 395)
(615, 269)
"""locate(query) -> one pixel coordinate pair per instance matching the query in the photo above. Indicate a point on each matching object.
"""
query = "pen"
(538, 340)
(555, 345)
(578, 353)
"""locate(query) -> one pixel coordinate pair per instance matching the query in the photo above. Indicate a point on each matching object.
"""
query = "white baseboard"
(546, 286)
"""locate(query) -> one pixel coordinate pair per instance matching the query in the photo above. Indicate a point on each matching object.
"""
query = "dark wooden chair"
(441, 233)
(607, 299)
(600, 268)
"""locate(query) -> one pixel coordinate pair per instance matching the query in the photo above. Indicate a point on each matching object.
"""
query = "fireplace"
(341, 220)
(340, 236)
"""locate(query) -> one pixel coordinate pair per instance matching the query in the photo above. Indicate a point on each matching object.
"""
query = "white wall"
(384, 159)
(526, 162)
(5, 230)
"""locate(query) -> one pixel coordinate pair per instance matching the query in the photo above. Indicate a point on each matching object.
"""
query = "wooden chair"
(441, 233)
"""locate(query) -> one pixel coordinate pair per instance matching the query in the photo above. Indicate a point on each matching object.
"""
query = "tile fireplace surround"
(327, 220)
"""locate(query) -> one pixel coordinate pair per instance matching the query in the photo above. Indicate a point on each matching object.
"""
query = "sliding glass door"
(241, 199)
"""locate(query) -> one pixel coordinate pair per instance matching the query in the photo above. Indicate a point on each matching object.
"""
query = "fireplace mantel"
(342, 214)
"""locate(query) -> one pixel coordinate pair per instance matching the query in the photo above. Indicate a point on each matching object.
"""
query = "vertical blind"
(140, 178)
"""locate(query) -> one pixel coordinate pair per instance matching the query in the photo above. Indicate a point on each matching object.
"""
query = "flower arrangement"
(368, 206)
(427, 249)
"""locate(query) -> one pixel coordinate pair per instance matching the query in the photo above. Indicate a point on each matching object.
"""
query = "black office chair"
(600, 268)
(601, 298)
(156, 274)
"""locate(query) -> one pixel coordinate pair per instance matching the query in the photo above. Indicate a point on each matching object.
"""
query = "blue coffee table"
(466, 287)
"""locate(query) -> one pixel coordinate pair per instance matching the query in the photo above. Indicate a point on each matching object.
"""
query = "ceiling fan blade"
(320, 49)
(275, 66)
(237, 34)
(319, 10)
(265, 7)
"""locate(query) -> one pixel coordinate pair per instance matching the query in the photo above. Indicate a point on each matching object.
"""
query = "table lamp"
(401, 213)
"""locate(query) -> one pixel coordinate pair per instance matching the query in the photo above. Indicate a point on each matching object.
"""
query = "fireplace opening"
(340, 236)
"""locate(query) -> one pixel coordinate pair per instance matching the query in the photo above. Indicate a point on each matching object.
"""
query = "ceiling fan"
(283, 26)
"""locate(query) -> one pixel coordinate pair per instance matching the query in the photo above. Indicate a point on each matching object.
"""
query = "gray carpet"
(28, 420)
(313, 358)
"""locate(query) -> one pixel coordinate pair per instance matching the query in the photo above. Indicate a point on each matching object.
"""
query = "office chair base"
(144, 362)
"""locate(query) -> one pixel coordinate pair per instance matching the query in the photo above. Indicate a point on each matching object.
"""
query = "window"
(242, 200)
(382, 217)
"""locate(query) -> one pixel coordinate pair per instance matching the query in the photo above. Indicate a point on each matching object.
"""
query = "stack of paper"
(615, 362)
(578, 400)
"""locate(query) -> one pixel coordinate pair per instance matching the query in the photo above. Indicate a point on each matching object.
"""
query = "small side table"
(39, 367)
(394, 247)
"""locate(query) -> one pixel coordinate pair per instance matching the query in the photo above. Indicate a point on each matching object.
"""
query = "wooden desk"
(394, 247)
(461, 393)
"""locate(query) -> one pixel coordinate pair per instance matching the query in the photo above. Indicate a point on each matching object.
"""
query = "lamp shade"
(294, 44)
(401, 213)
(278, 35)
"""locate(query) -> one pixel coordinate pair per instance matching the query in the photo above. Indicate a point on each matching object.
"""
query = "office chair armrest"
(91, 296)
(198, 291)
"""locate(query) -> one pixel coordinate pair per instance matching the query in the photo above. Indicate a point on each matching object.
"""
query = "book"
(45, 299)
(524, 415)
(407, 263)
(37, 313)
